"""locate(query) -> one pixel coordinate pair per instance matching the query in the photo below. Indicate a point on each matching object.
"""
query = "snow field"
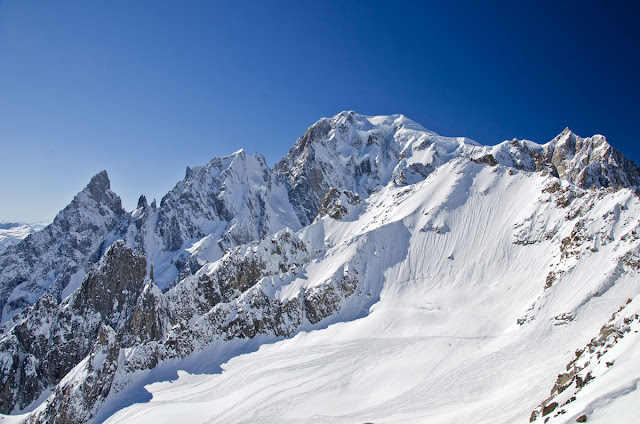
(442, 344)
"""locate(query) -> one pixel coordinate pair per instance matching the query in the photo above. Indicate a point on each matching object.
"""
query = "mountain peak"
(142, 202)
(566, 139)
(347, 151)
(366, 122)
(566, 131)
(590, 161)
(98, 186)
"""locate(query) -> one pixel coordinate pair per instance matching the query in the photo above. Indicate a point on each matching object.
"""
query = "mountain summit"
(379, 272)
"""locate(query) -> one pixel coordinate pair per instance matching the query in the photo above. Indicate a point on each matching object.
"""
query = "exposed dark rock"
(142, 202)
(48, 339)
(336, 203)
(546, 410)
(580, 368)
(148, 320)
(486, 159)
(112, 288)
(78, 399)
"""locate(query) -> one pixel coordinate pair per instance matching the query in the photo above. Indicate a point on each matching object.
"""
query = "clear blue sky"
(145, 88)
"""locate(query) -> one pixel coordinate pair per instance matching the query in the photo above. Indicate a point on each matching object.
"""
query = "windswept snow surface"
(458, 327)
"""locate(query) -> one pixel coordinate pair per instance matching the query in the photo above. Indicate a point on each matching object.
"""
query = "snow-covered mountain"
(12, 232)
(56, 259)
(227, 202)
(378, 273)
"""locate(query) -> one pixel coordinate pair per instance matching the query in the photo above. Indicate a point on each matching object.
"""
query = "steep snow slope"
(463, 256)
(12, 232)
(601, 382)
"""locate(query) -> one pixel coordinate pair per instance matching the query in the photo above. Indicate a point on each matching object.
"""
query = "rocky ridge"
(46, 341)
(238, 199)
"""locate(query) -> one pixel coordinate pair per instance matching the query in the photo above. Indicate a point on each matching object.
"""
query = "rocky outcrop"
(590, 162)
(337, 203)
(113, 287)
(148, 320)
(589, 363)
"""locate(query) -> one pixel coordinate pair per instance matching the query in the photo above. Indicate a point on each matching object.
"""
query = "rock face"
(52, 339)
(56, 259)
(76, 399)
(233, 245)
(590, 162)
(348, 151)
(112, 288)
(227, 202)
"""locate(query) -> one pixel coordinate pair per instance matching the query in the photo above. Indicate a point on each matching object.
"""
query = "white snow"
(441, 344)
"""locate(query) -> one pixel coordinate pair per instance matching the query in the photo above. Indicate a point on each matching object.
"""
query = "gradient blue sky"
(145, 88)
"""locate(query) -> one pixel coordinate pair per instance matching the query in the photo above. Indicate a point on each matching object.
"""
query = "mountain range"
(378, 272)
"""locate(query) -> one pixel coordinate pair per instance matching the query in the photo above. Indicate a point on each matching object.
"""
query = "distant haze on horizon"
(143, 90)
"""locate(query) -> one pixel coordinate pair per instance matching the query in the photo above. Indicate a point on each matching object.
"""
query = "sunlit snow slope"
(464, 329)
